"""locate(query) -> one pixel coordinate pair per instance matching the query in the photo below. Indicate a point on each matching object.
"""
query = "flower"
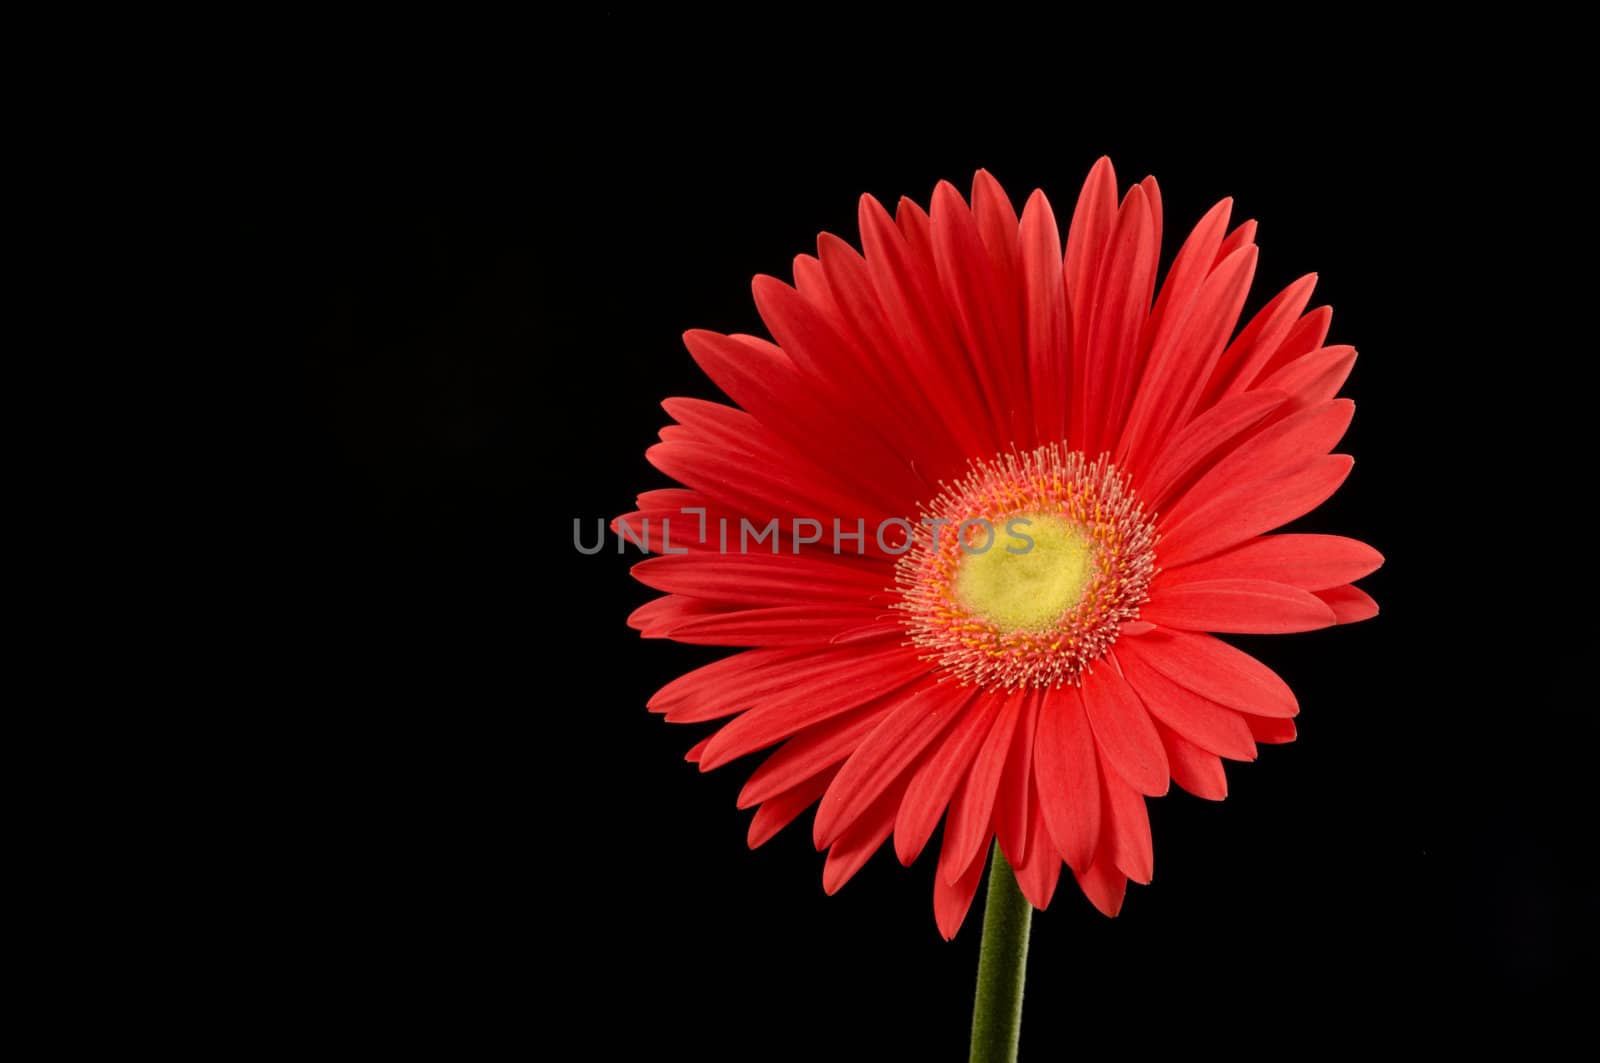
(1048, 484)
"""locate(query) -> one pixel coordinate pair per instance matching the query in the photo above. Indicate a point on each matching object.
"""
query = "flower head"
(974, 517)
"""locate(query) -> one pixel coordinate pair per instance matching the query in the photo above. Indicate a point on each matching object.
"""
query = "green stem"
(1002, 966)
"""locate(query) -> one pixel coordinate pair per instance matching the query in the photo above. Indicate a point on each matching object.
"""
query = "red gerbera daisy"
(974, 517)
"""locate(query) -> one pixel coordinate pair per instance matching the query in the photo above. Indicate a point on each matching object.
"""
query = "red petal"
(1213, 727)
(1309, 333)
(1048, 327)
(729, 685)
(1242, 236)
(1310, 562)
(882, 627)
(1123, 730)
(812, 284)
(1176, 371)
(1152, 195)
(669, 503)
(916, 227)
(1092, 221)
(1040, 867)
(1274, 450)
(1067, 776)
(760, 488)
(1251, 509)
(907, 290)
(1196, 447)
(1128, 827)
(1189, 270)
(852, 849)
(765, 579)
(857, 679)
(812, 341)
(1350, 604)
(1269, 731)
(996, 218)
(780, 810)
(983, 313)
(824, 345)
(1011, 814)
(1103, 884)
(1241, 606)
(952, 901)
(712, 422)
(969, 828)
(1315, 378)
(1216, 671)
(891, 748)
(1256, 344)
(1193, 768)
(900, 368)
(998, 227)
(765, 382)
(779, 625)
(936, 778)
(655, 619)
(1120, 304)
(810, 753)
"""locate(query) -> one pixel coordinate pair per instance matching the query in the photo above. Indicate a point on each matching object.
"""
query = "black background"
(474, 293)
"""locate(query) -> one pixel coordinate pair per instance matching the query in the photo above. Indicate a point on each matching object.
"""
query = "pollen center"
(1023, 572)
(1037, 568)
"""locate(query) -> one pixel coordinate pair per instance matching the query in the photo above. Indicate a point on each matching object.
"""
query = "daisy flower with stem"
(974, 518)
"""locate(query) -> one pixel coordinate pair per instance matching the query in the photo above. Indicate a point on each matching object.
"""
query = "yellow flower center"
(1068, 563)
(1038, 567)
